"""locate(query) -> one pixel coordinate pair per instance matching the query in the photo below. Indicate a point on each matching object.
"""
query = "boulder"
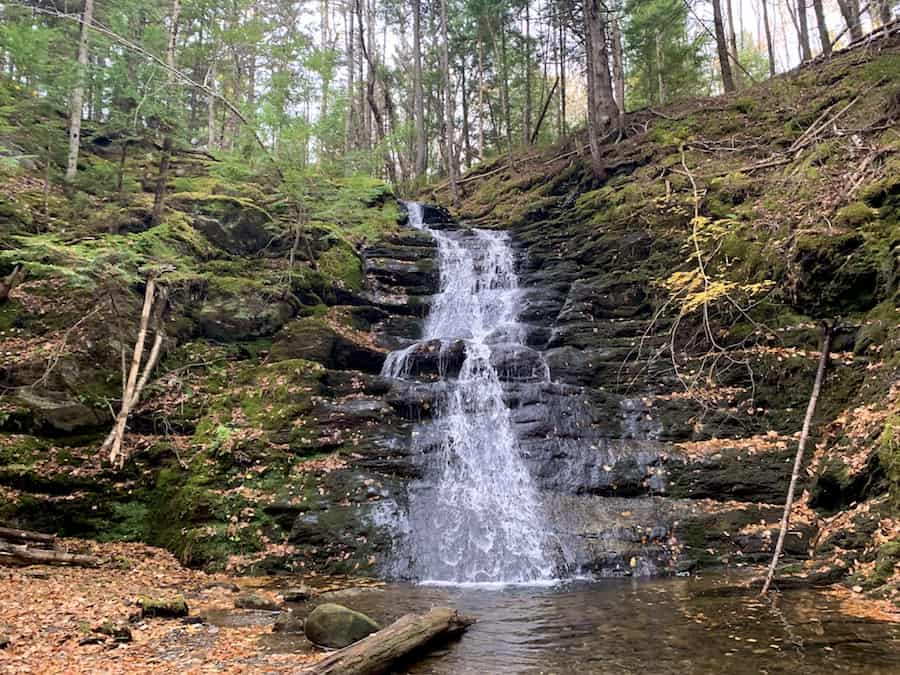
(233, 224)
(59, 412)
(313, 339)
(336, 626)
(288, 622)
(241, 316)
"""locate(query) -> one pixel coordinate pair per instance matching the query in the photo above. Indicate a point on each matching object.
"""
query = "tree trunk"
(211, 108)
(850, 12)
(562, 70)
(480, 96)
(803, 30)
(798, 458)
(618, 54)
(769, 46)
(722, 47)
(732, 39)
(544, 109)
(823, 28)
(602, 109)
(885, 15)
(77, 101)
(526, 116)
(350, 123)
(378, 652)
(131, 388)
(27, 537)
(418, 94)
(504, 63)
(23, 555)
(466, 132)
(159, 197)
(448, 104)
(659, 71)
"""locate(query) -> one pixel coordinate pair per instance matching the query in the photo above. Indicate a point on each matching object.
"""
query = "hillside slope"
(697, 333)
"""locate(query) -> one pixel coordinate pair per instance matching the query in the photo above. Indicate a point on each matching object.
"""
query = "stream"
(699, 625)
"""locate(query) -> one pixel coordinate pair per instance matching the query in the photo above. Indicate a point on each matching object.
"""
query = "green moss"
(889, 455)
(734, 188)
(855, 214)
(886, 561)
(341, 263)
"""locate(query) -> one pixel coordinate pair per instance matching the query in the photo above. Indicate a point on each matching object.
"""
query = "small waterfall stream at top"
(475, 516)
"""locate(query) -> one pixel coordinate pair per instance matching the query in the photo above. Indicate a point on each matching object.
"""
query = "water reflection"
(644, 626)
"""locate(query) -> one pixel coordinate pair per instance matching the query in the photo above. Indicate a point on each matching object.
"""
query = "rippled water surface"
(694, 626)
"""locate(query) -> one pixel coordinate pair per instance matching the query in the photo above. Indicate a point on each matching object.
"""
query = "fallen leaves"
(48, 612)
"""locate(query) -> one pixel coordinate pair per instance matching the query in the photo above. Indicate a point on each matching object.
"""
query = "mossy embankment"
(242, 421)
(695, 274)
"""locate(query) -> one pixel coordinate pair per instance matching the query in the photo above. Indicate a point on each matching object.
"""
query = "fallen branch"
(798, 459)
(22, 555)
(132, 387)
(378, 652)
(11, 534)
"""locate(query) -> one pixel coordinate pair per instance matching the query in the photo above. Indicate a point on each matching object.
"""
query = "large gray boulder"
(336, 626)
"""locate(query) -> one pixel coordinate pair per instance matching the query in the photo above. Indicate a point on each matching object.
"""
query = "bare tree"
(803, 30)
(418, 96)
(769, 46)
(722, 47)
(77, 101)
(850, 12)
(823, 27)
(448, 105)
(602, 110)
(159, 196)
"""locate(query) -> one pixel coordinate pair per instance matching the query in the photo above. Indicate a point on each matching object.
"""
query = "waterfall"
(475, 516)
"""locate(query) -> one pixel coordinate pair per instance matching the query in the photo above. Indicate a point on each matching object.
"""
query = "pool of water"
(687, 625)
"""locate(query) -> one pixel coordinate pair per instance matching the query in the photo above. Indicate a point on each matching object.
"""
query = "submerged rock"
(336, 626)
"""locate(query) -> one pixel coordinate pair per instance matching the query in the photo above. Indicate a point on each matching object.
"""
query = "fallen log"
(378, 652)
(11, 534)
(23, 555)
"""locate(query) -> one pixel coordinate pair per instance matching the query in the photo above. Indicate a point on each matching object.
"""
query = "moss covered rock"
(335, 626)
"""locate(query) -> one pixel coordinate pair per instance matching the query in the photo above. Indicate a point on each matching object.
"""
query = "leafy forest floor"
(75, 620)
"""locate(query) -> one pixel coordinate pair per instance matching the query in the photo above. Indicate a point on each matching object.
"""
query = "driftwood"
(23, 555)
(379, 652)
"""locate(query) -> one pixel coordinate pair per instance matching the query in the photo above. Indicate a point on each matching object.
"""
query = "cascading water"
(475, 516)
